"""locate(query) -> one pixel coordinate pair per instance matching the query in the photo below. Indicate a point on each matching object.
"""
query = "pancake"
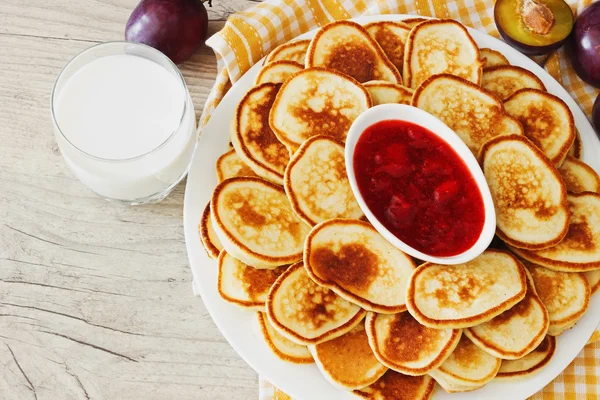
(492, 58)
(307, 313)
(316, 182)
(347, 361)
(547, 121)
(395, 386)
(290, 51)
(529, 195)
(566, 296)
(578, 176)
(517, 331)
(593, 278)
(316, 101)
(531, 363)
(278, 71)
(579, 251)
(253, 139)
(475, 115)
(426, 53)
(467, 368)
(451, 387)
(229, 165)
(347, 47)
(505, 80)
(351, 258)
(412, 22)
(577, 149)
(245, 286)
(465, 295)
(282, 347)
(402, 344)
(386, 92)
(255, 223)
(209, 238)
(391, 36)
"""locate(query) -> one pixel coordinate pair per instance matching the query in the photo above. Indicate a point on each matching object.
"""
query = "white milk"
(133, 118)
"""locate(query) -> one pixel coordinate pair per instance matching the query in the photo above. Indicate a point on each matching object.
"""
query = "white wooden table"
(95, 298)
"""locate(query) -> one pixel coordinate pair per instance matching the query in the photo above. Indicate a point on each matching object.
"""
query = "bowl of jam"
(419, 185)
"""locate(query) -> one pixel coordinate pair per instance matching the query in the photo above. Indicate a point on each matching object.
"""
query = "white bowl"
(411, 114)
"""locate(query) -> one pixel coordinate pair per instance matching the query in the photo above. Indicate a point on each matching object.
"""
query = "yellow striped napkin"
(250, 34)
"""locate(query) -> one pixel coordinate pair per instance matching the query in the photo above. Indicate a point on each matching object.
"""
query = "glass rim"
(119, 160)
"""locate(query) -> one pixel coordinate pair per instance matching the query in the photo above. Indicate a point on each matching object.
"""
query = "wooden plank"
(90, 20)
(95, 297)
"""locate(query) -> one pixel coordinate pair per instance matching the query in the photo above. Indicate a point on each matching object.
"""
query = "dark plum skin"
(584, 46)
(528, 49)
(175, 27)
(596, 116)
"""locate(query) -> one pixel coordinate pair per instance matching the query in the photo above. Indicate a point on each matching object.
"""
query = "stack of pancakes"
(292, 243)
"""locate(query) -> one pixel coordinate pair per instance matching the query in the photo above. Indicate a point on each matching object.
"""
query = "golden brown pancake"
(347, 47)
(529, 195)
(391, 36)
(245, 286)
(386, 92)
(577, 149)
(252, 138)
(547, 120)
(229, 165)
(467, 368)
(474, 114)
(209, 238)
(531, 363)
(517, 331)
(316, 182)
(404, 345)
(580, 249)
(278, 71)
(282, 347)
(290, 51)
(593, 278)
(317, 101)
(412, 22)
(395, 386)
(255, 223)
(427, 53)
(566, 296)
(492, 58)
(578, 176)
(351, 258)
(505, 80)
(453, 388)
(465, 295)
(347, 361)
(307, 313)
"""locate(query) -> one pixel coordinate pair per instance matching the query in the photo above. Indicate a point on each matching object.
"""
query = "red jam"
(418, 188)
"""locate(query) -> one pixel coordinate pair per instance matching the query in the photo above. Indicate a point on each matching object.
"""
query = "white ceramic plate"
(305, 382)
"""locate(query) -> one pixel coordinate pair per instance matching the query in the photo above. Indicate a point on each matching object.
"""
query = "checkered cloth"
(251, 34)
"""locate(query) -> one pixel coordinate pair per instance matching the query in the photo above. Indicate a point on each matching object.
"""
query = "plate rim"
(197, 257)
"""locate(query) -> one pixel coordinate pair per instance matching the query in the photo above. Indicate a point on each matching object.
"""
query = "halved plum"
(534, 27)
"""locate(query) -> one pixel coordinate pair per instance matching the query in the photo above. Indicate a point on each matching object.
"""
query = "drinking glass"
(146, 178)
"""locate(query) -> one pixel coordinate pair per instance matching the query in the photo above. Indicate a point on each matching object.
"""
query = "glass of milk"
(124, 121)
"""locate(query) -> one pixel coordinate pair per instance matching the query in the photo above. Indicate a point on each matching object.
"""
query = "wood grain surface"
(96, 299)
